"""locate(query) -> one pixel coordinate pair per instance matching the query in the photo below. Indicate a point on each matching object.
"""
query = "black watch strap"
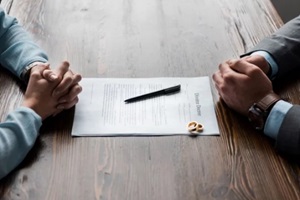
(259, 112)
(268, 102)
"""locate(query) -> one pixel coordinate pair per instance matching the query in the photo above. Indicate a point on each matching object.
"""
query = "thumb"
(48, 74)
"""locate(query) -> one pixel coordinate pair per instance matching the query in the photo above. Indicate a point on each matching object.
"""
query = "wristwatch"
(259, 112)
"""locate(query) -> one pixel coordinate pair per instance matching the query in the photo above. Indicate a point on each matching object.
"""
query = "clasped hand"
(243, 82)
(51, 91)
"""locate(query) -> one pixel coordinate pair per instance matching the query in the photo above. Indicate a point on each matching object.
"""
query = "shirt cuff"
(26, 71)
(275, 118)
(270, 60)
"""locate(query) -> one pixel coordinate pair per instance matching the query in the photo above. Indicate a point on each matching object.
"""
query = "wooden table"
(148, 38)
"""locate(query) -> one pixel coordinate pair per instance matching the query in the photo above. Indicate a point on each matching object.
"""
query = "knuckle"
(72, 103)
(227, 77)
(78, 89)
(254, 71)
(223, 65)
(68, 79)
(222, 89)
(35, 74)
(232, 62)
(236, 62)
(67, 99)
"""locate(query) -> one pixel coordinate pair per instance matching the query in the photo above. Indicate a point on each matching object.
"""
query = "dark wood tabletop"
(148, 38)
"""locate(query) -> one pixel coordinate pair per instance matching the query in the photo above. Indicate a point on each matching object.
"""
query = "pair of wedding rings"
(195, 127)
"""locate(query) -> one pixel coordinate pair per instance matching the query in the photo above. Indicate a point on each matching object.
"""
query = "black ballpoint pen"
(154, 94)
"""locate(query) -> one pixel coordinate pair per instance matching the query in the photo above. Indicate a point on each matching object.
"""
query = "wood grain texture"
(140, 38)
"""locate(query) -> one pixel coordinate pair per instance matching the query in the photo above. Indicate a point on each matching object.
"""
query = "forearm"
(17, 136)
(17, 50)
(284, 47)
(288, 139)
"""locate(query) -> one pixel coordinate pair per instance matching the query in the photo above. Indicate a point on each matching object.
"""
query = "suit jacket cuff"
(288, 139)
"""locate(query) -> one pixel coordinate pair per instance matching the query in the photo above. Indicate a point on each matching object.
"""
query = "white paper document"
(101, 110)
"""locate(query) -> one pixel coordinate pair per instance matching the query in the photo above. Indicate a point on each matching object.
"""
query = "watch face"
(256, 117)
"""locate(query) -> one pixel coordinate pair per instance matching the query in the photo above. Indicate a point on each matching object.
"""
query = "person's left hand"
(241, 84)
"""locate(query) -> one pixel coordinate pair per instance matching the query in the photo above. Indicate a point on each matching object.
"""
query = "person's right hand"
(241, 84)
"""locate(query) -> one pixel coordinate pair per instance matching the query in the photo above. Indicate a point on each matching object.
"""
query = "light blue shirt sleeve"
(17, 50)
(270, 60)
(18, 134)
(275, 118)
(280, 109)
(20, 129)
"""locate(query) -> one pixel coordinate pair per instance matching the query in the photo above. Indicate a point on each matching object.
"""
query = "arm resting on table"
(17, 136)
(17, 50)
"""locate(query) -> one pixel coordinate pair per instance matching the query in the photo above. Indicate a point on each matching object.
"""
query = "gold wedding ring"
(192, 126)
(199, 128)
(195, 127)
